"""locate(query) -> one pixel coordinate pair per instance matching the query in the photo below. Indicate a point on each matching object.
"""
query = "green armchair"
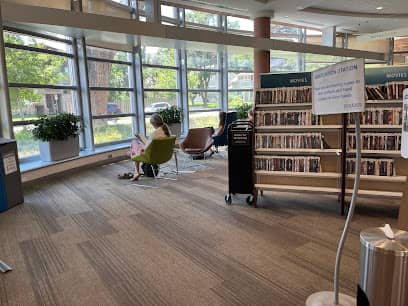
(159, 151)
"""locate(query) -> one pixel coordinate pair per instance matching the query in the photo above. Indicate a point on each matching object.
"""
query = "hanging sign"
(339, 88)
(404, 135)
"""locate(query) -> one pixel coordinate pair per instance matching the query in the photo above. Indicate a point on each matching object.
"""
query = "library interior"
(184, 152)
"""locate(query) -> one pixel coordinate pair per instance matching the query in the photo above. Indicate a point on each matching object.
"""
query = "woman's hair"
(157, 121)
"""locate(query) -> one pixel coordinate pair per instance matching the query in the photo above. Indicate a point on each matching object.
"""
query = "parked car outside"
(156, 107)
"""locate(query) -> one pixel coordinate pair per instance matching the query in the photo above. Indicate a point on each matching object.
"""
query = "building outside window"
(41, 82)
(204, 94)
(160, 81)
(111, 95)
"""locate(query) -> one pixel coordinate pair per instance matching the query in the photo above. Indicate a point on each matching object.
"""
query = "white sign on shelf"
(339, 88)
(404, 135)
(10, 163)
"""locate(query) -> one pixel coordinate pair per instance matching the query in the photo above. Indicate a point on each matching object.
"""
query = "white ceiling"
(360, 16)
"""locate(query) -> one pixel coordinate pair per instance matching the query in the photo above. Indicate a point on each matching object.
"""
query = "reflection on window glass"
(106, 54)
(203, 18)
(313, 37)
(199, 100)
(110, 102)
(284, 32)
(241, 80)
(31, 41)
(203, 119)
(317, 61)
(242, 24)
(236, 98)
(202, 59)
(30, 103)
(168, 11)
(240, 61)
(401, 59)
(159, 78)
(26, 144)
(155, 101)
(159, 56)
(123, 2)
(112, 129)
(37, 68)
(282, 61)
(202, 80)
(104, 74)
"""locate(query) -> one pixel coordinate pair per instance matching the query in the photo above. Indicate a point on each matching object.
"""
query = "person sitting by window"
(138, 145)
(221, 124)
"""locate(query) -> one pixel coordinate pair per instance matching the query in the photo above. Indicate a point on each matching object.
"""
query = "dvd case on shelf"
(380, 116)
(370, 166)
(288, 163)
(387, 91)
(284, 95)
(289, 141)
(284, 117)
(376, 141)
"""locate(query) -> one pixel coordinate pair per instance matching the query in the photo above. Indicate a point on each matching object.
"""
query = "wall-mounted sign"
(404, 135)
(383, 75)
(339, 88)
(9, 163)
(293, 79)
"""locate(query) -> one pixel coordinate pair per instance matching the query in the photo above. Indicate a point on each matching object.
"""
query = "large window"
(160, 81)
(111, 95)
(41, 82)
(199, 19)
(204, 94)
(240, 79)
(240, 26)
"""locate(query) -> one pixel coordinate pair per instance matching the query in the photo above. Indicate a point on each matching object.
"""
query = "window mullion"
(85, 94)
(140, 115)
(182, 58)
(75, 79)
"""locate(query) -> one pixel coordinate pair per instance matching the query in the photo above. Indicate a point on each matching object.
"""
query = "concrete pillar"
(262, 29)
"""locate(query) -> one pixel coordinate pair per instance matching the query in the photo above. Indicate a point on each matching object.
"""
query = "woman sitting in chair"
(161, 130)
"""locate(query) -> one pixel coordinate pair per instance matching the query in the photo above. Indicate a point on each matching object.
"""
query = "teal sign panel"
(295, 79)
(384, 75)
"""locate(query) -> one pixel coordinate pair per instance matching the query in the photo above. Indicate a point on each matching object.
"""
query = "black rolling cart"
(240, 161)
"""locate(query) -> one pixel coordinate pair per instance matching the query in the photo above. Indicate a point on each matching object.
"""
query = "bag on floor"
(148, 171)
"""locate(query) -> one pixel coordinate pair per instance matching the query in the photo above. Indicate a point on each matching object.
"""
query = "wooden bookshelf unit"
(291, 93)
(384, 172)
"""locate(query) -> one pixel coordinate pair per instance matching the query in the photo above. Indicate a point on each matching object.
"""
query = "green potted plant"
(58, 136)
(172, 117)
(242, 110)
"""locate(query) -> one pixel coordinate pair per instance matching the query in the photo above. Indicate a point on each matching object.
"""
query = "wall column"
(262, 29)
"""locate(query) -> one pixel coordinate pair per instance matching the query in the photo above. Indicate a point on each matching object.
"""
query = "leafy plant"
(242, 110)
(58, 127)
(171, 115)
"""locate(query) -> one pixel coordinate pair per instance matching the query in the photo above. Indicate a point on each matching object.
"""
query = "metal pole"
(351, 211)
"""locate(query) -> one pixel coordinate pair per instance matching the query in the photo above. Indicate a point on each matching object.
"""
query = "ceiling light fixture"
(379, 8)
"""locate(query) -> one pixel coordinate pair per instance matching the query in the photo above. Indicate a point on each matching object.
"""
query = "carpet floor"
(90, 239)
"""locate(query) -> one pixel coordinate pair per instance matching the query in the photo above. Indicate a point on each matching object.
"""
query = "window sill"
(30, 165)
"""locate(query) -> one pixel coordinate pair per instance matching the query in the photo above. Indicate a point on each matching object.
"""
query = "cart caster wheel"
(250, 200)
(228, 199)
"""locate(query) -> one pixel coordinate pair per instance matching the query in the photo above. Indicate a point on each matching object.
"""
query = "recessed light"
(286, 16)
(379, 8)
